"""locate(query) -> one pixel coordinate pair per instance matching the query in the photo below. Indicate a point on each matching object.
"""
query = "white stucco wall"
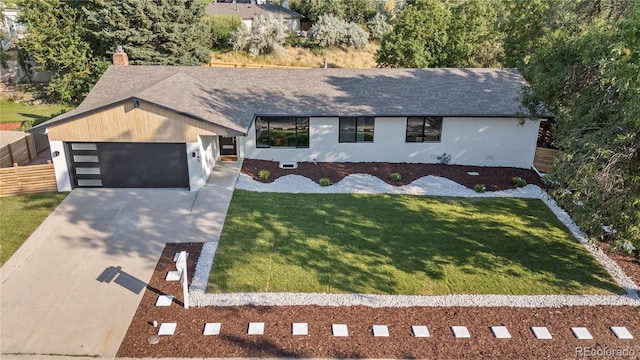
(469, 141)
(200, 166)
(59, 159)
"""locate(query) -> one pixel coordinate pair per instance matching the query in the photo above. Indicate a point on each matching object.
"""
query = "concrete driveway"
(56, 296)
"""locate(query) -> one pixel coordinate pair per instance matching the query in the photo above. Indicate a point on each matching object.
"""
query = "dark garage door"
(135, 165)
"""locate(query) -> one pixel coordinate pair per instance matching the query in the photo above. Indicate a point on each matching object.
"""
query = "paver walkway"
(74, 286)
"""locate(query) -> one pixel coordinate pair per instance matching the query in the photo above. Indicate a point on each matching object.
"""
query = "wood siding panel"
(21, 152)
(32, 179)
(545, 158)
(126, 123)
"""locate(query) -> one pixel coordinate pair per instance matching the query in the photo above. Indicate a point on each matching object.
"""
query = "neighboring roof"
(231, 97)
(8, 137)
(249, 11)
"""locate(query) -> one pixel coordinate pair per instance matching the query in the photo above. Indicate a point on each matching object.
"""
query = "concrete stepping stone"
(420, 331)
(340, 330)
(211, 329)
(173, 276)
(299, 329)
(167, 328)
(500, 332)
(256, 328)
(380, 331)
(164, 300)
(621, 332)
(460, 332)
(581, 333)
(541, 332)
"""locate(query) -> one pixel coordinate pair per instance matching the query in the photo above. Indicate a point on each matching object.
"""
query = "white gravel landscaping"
(428, 185)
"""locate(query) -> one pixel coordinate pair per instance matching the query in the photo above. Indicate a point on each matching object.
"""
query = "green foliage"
(324, 182)
(518, 182)
(473, 39)
(329, 30)
(479, 188)
(57, 41)
(395, 176)
(221, 27)
(585, 69)
(358, 11)
(267, 34)
(264, 174)
(168, 32)
(378, 26)
(419, 37)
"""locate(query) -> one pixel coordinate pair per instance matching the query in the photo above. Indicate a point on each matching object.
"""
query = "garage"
(128, 165)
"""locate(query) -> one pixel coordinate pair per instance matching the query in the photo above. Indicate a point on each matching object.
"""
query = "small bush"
(330, 30)
(264, 174)
(480, 188)
(267, 34)
(395, 176)
(221, 27)
(518, 182)
(378, 26)
(324, 182)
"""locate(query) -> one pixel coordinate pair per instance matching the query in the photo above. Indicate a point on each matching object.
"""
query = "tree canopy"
(74, 40)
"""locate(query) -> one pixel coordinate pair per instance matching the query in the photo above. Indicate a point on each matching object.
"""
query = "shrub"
(267, 34)
(395, 177)
(264, 174)
(378, 26)
(519, 182)
(221, 27)
(480, 188)
(324, 182)
(330, 30)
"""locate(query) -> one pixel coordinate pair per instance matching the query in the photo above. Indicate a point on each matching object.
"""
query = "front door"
(228, 147)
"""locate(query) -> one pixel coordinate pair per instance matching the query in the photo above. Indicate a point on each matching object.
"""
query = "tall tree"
(473, 34)
(159, 32)
(419, 37)
(57, 42)
(585, 69)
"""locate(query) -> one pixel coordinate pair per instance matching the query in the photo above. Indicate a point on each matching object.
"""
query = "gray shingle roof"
(249, 11)
(230, 97)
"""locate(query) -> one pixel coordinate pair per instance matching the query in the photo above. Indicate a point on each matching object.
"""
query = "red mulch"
(494, 178)
(11, 126)
(277, 341)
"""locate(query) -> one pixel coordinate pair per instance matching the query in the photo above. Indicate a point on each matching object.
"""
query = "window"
(424, 129)
(356, 129)
(282, 131)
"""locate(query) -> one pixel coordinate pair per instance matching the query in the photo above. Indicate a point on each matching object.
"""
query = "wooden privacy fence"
(544, 158)
(21, 151)
(32, 179)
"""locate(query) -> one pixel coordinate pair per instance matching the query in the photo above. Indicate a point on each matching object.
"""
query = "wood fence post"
(10, 153)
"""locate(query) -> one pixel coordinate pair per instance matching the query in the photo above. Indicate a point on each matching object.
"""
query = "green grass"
(15, 112)
(20, 216)
(397, 244)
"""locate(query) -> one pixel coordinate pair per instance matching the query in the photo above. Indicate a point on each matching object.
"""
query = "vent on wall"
(288, 165)
(136, 104)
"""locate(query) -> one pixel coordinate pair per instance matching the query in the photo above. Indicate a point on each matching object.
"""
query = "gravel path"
(428, 185)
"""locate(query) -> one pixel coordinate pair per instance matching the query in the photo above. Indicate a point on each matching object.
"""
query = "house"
(247, 12)
(167, 126)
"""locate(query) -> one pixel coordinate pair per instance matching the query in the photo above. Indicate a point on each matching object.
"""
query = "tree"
(473, 35)
(167, 32)
(358, 11)
(57, 42)
(332, 31)
(585, 69)
(419, 37)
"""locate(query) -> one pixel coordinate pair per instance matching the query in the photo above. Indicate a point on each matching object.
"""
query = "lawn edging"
(422, 186)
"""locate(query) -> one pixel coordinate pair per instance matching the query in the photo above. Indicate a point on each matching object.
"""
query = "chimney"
(120, 57)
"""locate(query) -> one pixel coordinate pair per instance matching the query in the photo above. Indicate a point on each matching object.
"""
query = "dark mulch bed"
(277, 341)
(494, 178)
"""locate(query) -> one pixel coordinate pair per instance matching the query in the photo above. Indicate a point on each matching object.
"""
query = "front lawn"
(20, 216)
(400, 244)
